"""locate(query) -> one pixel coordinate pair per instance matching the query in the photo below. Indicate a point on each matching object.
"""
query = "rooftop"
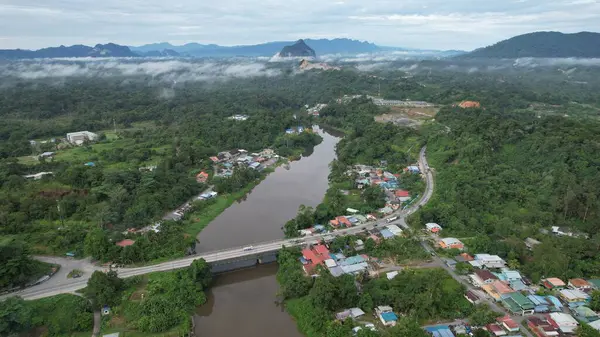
(579, 283)
(555, 282)
(125, 243)
(485, 275)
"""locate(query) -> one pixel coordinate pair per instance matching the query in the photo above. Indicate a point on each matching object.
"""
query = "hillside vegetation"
(503, 177)
(543, 44)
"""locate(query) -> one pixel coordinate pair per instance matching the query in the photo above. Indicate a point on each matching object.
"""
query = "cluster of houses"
(336, 262)
(387, 181)
(563, 304)
(225, 162)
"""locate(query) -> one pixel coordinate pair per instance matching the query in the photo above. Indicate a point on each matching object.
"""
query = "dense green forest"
(505, 176)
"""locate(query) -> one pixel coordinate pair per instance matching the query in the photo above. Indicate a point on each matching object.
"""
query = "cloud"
(429, 24)
(170, 71)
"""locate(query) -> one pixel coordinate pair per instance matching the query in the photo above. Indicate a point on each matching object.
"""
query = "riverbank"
(196, 221)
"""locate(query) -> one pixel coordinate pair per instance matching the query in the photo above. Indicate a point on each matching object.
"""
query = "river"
(273, 202)
(244, 302)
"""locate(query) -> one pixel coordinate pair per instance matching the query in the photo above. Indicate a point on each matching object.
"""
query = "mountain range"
(320, 46)
(542, 44)
(99, 50)
(538, 44)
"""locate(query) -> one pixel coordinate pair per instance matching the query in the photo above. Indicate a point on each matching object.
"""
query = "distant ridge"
(543, 44)
(341, 46)
(99, 50)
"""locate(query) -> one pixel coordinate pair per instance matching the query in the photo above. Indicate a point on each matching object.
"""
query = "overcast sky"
(431, 24)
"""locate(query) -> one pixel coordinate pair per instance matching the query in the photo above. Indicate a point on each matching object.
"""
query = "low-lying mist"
(167, 70)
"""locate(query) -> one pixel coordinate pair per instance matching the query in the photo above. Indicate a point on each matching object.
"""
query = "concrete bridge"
(221, 260)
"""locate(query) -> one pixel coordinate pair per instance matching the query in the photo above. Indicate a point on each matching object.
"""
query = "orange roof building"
(579, 283)
(125, 243)
(202, 177)
(469, 104)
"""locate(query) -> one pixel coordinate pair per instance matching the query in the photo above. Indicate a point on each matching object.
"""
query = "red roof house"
(343, 221)
(214, 159)
(508, 323)
(125, 243)
(402, 194)
(202, 177)
(495, 330)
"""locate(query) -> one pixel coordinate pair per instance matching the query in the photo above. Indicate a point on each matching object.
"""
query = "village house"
(553, 283)
(202, 177)
(517, 303)
(312, 257)
(463, 257)
(496, 289)
(542, 327)
(472, 297)
(565, 323)
(530, 243)
(125, 243)
(386, 315)
(481, 277)
(573, 297)
(585, 314)
(544, 304)
(402, 195)
(433, 227)
(579, 284)
(487, 261)
(340, 221)
(451, 243)
(508, 324)
(495, 330)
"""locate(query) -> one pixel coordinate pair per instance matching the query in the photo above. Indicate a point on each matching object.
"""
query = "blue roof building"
(440, 331)
(386, 233)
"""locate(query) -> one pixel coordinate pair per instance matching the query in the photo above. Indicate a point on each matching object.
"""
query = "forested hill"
(503, 177)
(543, 44)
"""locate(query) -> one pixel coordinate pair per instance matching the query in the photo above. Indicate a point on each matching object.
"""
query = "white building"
(490, 261)
(433, 227)
(80, 137)
(566, 323)
(397, 231)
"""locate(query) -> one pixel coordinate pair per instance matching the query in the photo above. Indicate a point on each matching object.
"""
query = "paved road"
(59, 284)
(97, 324)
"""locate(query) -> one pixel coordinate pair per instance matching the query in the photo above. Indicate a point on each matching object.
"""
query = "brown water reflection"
(244, 303)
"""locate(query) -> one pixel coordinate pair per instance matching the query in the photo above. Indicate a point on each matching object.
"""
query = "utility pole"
(114, 125)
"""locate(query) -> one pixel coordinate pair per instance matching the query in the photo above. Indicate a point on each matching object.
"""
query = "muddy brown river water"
(244, 303)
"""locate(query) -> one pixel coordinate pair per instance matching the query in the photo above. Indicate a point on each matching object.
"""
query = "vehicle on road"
(248, 248)
(394, 218)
